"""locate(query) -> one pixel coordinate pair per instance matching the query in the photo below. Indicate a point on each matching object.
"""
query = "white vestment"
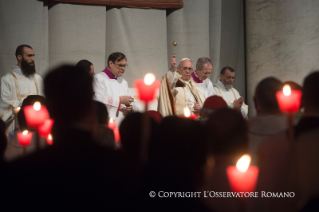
(229, 96)
(183, 95)
(207, 87)
(108, 91)
(15, 87)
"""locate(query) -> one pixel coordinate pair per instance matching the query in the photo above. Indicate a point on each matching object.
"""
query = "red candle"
(288, 100)
(187, 114)
(50, 139)
(24, 138)
(45, 128)
(117, 134)
(242, 177)
(146, 88)
(35, 114)
(112, 124)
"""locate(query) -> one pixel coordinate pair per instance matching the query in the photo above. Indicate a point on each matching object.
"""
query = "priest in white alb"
(19, 83)
(224, 88)
(179, 90)
(112, 89)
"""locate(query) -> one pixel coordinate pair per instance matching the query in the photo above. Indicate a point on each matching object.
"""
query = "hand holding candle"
(243, 177)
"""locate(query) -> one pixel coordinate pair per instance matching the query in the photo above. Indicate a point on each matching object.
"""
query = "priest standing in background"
(19, 83)
(112, 89)
(224, 88)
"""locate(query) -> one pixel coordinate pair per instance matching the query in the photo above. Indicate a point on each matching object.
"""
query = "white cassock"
(184, 97)
(206, 85)
(108, 91)
(15, 87)
(229, 96)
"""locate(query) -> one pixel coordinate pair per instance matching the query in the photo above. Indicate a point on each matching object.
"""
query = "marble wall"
(282, 39)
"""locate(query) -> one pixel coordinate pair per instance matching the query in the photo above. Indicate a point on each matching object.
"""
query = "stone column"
(282, 40)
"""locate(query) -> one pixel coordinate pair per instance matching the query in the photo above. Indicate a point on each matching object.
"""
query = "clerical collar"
(109, 73)
(195, 78)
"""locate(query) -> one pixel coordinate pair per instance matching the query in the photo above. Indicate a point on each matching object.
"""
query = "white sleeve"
(210, 89)
(172, 78)
(7, 100)
(101, 94)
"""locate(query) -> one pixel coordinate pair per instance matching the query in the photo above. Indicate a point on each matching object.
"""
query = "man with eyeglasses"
(224, 88)
(179, 90)
(112, 89)
(201, 74)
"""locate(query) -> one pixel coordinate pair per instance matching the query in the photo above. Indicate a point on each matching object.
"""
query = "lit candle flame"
(111, 120)
(17, 109)
(243, 163)
(286, 90)
(49, 139)
(149, 78)
(187, 112)
(37, 106)
(25, 132)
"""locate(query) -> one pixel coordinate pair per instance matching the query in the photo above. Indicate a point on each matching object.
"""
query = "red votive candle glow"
(50, 139)
(35, 114)
(288, 100)
(117, 135)
(146, 88)
(45, 128)
(24, 138)
(112, 124)
(242, 177)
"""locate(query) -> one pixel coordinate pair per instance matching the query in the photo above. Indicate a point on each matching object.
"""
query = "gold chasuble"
(176, 94)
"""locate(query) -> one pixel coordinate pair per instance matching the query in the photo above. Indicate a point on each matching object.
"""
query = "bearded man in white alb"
(112, 89)
(224, 88)
(184, 91)
(19, 83)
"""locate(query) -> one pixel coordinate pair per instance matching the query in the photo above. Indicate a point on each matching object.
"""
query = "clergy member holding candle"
(112, 89)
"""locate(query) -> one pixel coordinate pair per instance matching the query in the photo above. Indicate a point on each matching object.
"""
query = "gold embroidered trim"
(36, 84)
(16, 85)
(218, 90)
(234, 93)
(7, 110)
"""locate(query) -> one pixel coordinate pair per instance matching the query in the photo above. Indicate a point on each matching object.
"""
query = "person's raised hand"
(173, 63)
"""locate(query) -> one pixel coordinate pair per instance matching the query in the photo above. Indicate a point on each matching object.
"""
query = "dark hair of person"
(19, 50)
(265, 94)
(84, 65)
(69, 94)
(116, 57)
(101, 112)
(310, 91)
(226, 68)
(227, 133)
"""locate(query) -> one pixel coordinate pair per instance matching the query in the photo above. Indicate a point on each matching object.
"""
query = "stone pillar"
(282, 40)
